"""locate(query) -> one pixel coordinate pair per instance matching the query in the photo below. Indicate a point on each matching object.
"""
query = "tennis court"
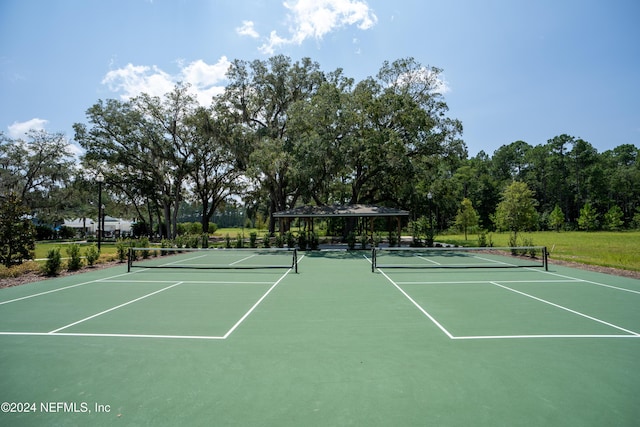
(334, 344)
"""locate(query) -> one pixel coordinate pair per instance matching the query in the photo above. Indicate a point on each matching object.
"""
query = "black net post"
(373, 260)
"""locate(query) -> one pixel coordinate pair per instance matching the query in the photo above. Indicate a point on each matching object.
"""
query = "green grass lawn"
(604, 248)
(42, 248)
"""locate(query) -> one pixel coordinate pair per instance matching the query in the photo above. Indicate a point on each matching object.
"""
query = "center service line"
(567, 309)
(114, 308)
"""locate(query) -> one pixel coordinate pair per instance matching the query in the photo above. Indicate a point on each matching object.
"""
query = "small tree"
(588, 219)
(556, 219)
(517, 210)
(92, 255)
(54, 263)
(74, 262)
(17, 233)
(613, 219)
(467, 216)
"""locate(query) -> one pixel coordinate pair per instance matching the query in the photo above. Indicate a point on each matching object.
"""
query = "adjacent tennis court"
(353, 338)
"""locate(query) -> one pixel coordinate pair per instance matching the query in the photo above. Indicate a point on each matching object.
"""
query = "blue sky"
(512, 69)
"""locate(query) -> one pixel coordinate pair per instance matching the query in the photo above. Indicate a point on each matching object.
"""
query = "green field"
(42, 248)
(604, 248)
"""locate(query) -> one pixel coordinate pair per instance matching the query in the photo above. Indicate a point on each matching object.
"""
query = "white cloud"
(132, 80)
(205, 79)
(19, 129)
(316, 18)
(247, 30)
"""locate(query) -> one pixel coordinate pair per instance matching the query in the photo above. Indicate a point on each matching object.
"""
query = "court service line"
(114, 308)
(568, 309)
(595, 283)
(186, 282)
(239, 322)
(243, 259)
(66, 287)
(184, 260)
(429, 260)
(435, 322)
(484, 282)
(89, 334)
(504, 337)
(494, 261)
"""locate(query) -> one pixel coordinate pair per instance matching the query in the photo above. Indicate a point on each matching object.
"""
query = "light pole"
(100, 180)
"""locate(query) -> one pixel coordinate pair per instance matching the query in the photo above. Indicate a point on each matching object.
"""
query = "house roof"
(340, 211)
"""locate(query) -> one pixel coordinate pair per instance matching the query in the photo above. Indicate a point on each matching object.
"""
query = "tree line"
(285, 133)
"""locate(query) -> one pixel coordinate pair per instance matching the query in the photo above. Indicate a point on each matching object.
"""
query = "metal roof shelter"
(343, 211)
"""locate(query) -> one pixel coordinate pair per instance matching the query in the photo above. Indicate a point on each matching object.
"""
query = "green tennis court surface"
(333, 345)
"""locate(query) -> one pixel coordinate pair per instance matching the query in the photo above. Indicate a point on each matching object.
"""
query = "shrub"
(54, 263)
(66, 232)
(266, 240)
(239, 241)
(393, 239)
(92, 255)
(291, 241)
(513, 242)
(44, 232)
(302, 241)
(122, 246)
(144, 243)
(484, 241)
(313, 241)
(253, 239)
(75, 261)
(363, 239)
(351, 240)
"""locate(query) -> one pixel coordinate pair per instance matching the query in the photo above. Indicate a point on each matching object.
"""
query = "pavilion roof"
(340, 211)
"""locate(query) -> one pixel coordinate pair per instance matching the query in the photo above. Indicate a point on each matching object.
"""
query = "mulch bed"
(36, 277)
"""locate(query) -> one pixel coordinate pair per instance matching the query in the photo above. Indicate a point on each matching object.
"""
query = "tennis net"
(213, 258)
(459, 257)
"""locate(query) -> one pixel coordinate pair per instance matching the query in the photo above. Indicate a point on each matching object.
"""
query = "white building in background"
(112, 226)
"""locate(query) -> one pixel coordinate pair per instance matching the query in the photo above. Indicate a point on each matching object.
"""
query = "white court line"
(186, 282)
(568, 279)
(243, 259)
(115, 308)
(505, 337)
(568, 309)
(494, 261)
(594, 283)
(239, 322)
(64, 288)
(199, 337)
(480, 282)
(184, 260)
(429, 260)
(435, 322)
(68, 334)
